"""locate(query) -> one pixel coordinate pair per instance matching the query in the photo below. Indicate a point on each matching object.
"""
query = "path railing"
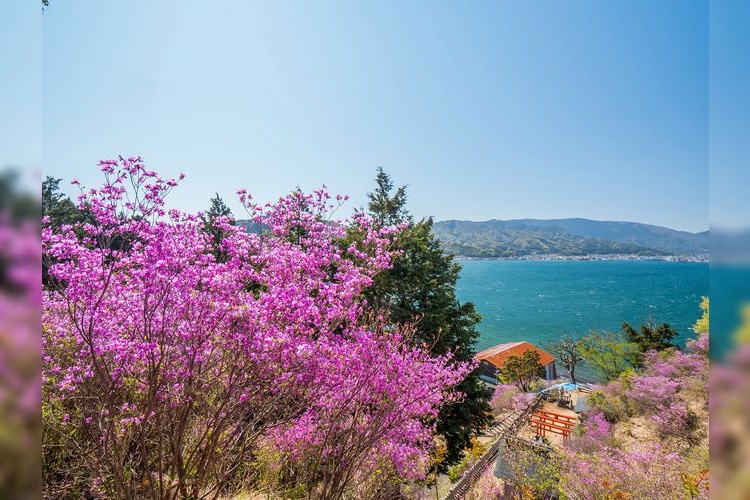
(470, 477)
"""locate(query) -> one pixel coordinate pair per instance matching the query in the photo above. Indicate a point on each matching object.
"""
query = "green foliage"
(419, 290)
(522, 370)
(534, 472)
(387, 209)
(476, 450)
(56, 205)
(471, 456)
(649, 337)
(742, 335)
(456, 471)
(539, 384)
(702, 325)
(609, 355)
(611, 403)
(217, 209)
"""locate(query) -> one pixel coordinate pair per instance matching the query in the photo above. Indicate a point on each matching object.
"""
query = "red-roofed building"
(491, 360)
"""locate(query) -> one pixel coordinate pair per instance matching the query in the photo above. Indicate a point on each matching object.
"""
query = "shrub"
(522, 400)
(471, 456)
(610, 401)
(676, 420)
(594, 432)
(502, 398)
(165, 367)
(456, 471)
(653, 392)
(647, 471)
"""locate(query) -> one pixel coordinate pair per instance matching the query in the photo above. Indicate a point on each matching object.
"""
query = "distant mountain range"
(565, 237)
(562, 237)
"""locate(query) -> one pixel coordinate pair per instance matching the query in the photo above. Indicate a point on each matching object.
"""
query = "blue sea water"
(539, 301)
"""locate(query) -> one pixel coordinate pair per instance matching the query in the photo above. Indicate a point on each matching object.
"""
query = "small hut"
(491, 360)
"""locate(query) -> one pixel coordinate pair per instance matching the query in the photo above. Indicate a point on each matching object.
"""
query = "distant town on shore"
(546, 257)
(570, 239)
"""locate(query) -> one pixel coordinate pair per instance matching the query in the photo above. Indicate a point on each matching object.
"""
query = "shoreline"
(604, 257)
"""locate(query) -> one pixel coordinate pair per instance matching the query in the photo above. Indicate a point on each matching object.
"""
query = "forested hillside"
(565, 237)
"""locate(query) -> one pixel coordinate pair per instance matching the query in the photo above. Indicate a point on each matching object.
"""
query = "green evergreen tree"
(57, 206)
(649, 337)
(420, 288)
(61, 211)
(217, 209)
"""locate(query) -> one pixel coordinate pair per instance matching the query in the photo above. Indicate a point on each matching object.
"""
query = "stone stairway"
(503, 424)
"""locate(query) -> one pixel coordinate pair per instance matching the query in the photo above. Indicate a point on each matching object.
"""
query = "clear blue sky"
(729, 118)
(21, 89)
(486, 110)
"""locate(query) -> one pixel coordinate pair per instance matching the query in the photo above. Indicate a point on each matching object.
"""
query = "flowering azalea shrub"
(486, 487)
(166, 370)
(502, 397)
(366, 414)
(645, 472)
(668, 382)
(594, 433)
(651, 392)
(522, 400)
(665, 397)
(611, 401)
(509, 397)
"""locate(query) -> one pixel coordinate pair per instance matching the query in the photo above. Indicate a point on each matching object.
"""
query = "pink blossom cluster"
(595, 432)
(509, 397)
(652, 392)
(522, 400)
(660, 390)
(647, 471)
(152, 344)
(502, 397)
(369, 408)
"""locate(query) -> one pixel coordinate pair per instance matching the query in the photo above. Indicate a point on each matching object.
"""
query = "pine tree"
(218, 209)
(56, 205)
(61, 211)
(420, 288)
(650, 337)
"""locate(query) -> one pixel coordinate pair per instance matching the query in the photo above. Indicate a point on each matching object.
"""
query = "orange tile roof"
(498, 354)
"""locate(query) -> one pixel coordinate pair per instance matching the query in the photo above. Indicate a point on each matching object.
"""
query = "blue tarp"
(567, 386)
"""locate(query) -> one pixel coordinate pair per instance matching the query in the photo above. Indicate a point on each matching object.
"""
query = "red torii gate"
(556, 423)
